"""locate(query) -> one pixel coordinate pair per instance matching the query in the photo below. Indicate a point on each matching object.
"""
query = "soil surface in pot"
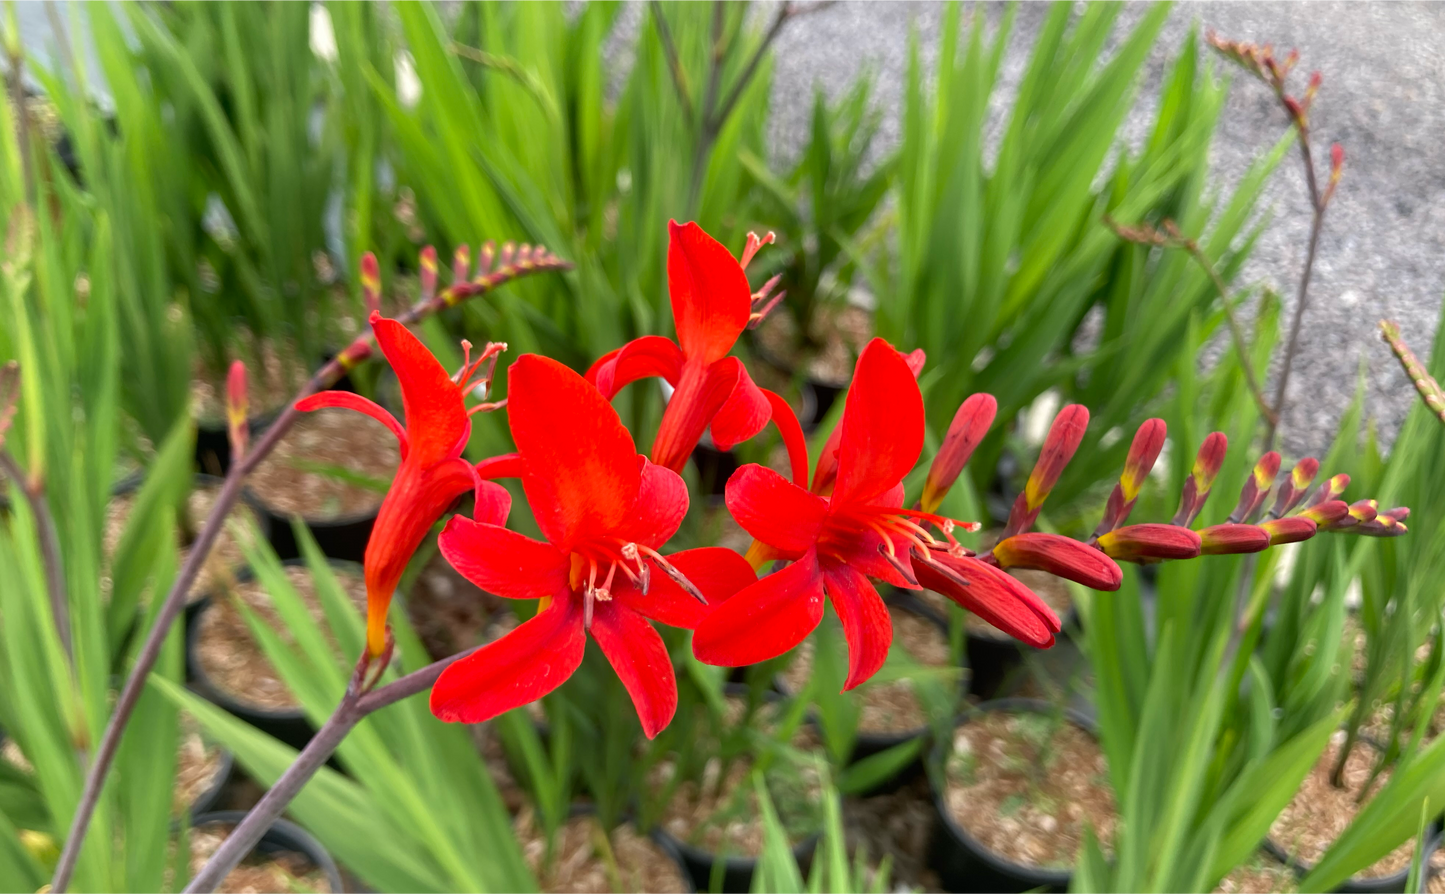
(197, 763)
(1435, 875)
(234, 660)
(892, 706)
(897, 825)
(332, 464)
(258, 872)
(1026, 785)
(226, 556)
(270, 383)
(586, 859)
(1262, 874)
(1320, 813)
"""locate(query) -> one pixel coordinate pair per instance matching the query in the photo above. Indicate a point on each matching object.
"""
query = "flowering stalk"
(1430, 391)
(514, 263)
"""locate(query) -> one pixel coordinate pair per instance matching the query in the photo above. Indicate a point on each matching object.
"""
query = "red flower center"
(897, 528)
(594, 567)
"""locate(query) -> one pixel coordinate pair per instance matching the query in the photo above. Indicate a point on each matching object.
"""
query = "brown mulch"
(1026, 785)
(586, 858)
(1320, 812)
(232, 658)
(1263, 874)
(270, 383)
(335, 437)
(258, 872)
(897, 825)
(197, 764)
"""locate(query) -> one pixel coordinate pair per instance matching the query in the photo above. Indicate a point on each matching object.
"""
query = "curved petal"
(866, 624)
(711, 298)
(717, 572)
(493, 503)
(650, 355)
(763, 620)
(999, 599)
(744, 412)
(580, 467)
(775, 510)
(882, 425)
(506, 465)
(787, 422)
(436, 417)
(347, 400)
(521, 667)
(639, 656)
(689, 410)
(659, 508)
(504, 562)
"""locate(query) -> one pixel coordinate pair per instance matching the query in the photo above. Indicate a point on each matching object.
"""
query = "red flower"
(432, 473)
(711, 305)
(835, 543)
(995, 596)
(604, 512)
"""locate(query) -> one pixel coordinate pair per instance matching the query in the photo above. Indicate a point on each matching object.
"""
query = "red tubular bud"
(1063, 439)
(969, 425)
(1399, 514)
(1337, 160)
(1256, 488)
(1061, 556)
(994, 596)
(1297, 485)
(1143, 453)
(428, 261)
(462, 264)
(1328, 514)
(370, 282)
(1289, 530)
(1364, 510)
(1380, 526)
(1198, 484)
(1330, 490)
(1225, 540)
(1150, 543)
(236, 409)
(1295, 109)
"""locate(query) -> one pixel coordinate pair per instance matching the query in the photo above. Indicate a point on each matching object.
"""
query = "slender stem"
(1236, 331)
(525, 262)
(354, 706)
(674, 62)
(49, 545)
(707, 133)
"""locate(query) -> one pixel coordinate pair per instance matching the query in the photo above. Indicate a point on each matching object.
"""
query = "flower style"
(835, 543)
(604, 511)
(712, 304)
(432, 473)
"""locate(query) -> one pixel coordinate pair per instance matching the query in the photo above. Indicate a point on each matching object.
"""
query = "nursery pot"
(964, 863)
(213, 442)
(208, 797)
(282, 838)
(736, 872)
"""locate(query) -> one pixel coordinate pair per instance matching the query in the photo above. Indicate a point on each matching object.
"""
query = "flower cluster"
(606, 513)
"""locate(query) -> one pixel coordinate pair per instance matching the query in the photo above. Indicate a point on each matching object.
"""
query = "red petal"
(996, 597)
(641, 358)
(436, 417)
(711, 298)
(581, 473)
(349, 401)
(640, 658)
(507, 465)
(521, 667)
(763, 620)
(865, 619)
(504, 562)
(716, 571)
(746, 410)
(689, 411)
(775, 510)
(882, 425)
(1060, 556)
(493, 503)
(660, 506)
(787, 422)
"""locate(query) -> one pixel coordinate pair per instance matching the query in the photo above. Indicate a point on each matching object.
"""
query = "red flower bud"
(969, 425)
(1143, 452)
(1380, 526)
(1330, 490)
(1292, 490)
(462, 264)
(1328, 514)
(1256, 488)
(1399, 513)
(236, 409)
(1337, 160)
(1197, 485)
(1059, 446)
(1289, 530)
(1224, 540)
(428, 262)
(1364, 510)
(1150, 542)
(1061, 556)
(370, 283)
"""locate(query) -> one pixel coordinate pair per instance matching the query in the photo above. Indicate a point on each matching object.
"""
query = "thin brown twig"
(517, 263)
(674, 63)
(49, 537)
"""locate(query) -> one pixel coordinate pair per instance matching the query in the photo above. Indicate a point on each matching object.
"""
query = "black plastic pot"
(343, 538)
(714, 468)
(289, 725)
(736, 872)
(213, 440)
(962, 862)
(212, 793)
(283, 837)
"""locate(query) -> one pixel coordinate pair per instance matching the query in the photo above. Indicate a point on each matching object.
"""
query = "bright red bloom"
(711, 306)
(432, 472)
(837, 542)
(604, 512)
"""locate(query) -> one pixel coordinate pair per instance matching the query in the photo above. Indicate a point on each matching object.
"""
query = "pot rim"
(283, 835)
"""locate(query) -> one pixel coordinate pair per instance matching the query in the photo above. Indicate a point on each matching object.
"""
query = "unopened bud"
(1201, 479)
(1229, 539)
(1328, 514)
(1330, 489)
(428, 262)
(968, 428)
(1337, 161)
(1256, 488)
(1150, 543)
(1289, 530)
(236, 409)
(461, 264)
(1295, 487)
(1060, 556)
(370, 282)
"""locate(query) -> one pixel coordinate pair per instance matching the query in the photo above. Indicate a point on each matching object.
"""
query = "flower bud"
(1059, 446)
(1143, 453)
(370, 282)
(994, 596)
(1294, 489)
(1150, 542)
(428, 262)
(1289, 530)
(969, 425)
(1380, 526)
(1327, 514)
(1198, 484)
(1061, 556)
(236, 409)
(1224, 540)
(1256, 488)
(1330, 490)
(1399, 513)
(462, 264)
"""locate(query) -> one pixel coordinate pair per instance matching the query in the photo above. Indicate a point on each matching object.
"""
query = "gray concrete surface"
(1382, 253)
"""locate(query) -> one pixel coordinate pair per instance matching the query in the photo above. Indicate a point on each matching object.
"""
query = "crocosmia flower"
(835, 543)
(604, 511)
(432, 473)
(711, 306)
